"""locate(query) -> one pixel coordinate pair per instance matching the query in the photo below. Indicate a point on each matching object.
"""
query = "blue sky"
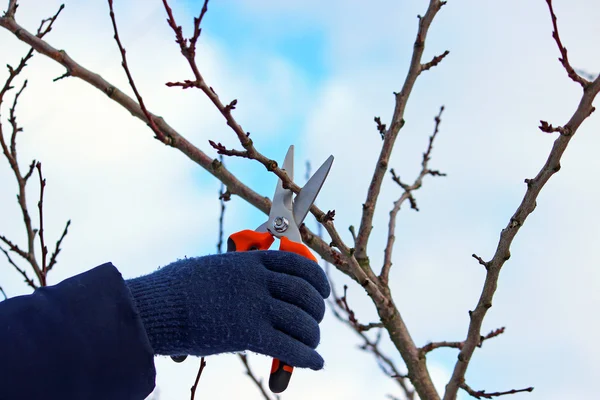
(314, 74)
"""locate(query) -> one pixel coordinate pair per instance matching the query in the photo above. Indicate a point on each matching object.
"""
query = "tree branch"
(28, 280)
(458, 345)
(43, 247)
(258, 382)
(11, 156)
(481, 394)
(10, 152)
(407, 195)
(391, 133)
(339, 305)
(157, 132)
(57, 248)
(507, 235)
(564, 59)
(198, 375)
(213, 166)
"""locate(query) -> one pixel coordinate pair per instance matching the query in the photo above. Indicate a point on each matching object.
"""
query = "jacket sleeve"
(80, 339)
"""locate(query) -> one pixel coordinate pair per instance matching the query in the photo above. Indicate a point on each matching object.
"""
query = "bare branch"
(492, 334)
(3, 293)
(10, 152)
(481, 261)
(213, 166)
(564, 59)
(339, 305)
(507, 235)
(436, 345)
(481, 394)
(195, 385)
(458, 345)
(391, 134)
(42, 31)
(434, 61)
(28, 280)
(11, 155)
(150, 120)
(43, 247)
(222, 199)
(228, 152)
(408, 195)
(57, 249)
(258, 382)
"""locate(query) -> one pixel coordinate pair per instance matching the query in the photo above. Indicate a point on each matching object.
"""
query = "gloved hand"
(268, 302)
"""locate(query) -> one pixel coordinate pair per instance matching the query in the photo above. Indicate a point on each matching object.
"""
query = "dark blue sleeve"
(80, 339)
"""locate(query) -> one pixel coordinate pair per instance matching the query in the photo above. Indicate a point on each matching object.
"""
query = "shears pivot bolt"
(280, 224)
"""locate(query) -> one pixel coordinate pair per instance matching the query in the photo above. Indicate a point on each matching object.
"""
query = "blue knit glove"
(268, 302)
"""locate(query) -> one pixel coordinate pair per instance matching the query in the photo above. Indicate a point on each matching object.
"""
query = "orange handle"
(281, 373)
(295, 247)
(248, 240)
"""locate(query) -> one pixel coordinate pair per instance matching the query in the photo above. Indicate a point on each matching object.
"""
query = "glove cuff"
(161, 303)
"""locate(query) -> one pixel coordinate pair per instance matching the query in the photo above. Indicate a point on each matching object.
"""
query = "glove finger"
(289, 350)
(296, 265)
(296, 323)
(297, 291)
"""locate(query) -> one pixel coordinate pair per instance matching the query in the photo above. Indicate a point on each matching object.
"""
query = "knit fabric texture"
(268, 302)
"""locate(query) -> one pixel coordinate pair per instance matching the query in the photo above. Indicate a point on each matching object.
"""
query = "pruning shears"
(285, 218)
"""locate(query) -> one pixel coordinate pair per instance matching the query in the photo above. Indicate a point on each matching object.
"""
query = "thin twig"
(195, 385)
(564, 59)
(43, 247)
(481, 394)
(222, 199)
(11, 156)
(28, 280)
(3, 293)
(150, 120)
(459, 345)
(257, 381)
(408, 195)
(57, 248)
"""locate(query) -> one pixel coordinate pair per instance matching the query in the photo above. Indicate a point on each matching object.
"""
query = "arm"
(94, 336)
(80, 339)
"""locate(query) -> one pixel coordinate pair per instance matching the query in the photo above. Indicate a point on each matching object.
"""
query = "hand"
(268, 302)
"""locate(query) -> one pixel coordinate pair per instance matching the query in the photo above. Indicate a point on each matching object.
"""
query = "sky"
(314, 74)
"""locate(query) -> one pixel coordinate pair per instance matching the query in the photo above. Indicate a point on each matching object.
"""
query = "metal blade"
(283, 197)
(282, 202)
(309, 192)
(288, 162)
